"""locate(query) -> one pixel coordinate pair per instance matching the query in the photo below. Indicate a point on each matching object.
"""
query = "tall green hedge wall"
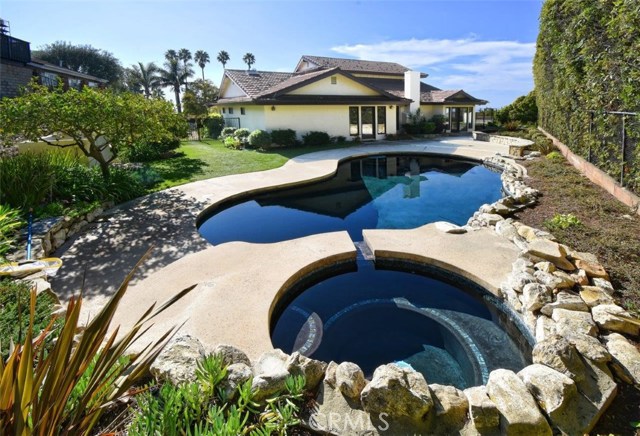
(588, 59)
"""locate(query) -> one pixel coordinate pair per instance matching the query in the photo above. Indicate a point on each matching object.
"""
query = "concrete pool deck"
(237, 282)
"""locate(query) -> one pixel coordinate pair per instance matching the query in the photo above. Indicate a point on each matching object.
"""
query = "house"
(17, 69)
(343, 97)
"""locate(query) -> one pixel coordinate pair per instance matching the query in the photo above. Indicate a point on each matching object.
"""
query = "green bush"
(259, 138)
(438, 121)
(227, 132)
(428, 127)
(555, 156)
(315, 138)
(149, 151)
(232, 142)
(203, 407)
(14, 313)
(242, 134)
(339, 139)
(25, 179)
(511, 126)
(562, 222)
(214, 124)
(10, 223)
(284, 137)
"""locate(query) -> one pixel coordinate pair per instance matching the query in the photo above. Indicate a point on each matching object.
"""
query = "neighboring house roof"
(357, 66)
(46, 66)
(272, 87)
(450, 96)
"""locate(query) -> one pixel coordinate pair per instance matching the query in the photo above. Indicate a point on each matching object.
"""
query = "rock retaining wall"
(51, 233)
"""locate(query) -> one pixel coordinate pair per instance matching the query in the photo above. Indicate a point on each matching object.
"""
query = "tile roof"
(355, 65)
(396, 86)
(47, 66)
(254, 83)
(439, 96)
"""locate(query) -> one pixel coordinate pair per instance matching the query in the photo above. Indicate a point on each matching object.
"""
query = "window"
(241, 111)
(75, 83)
(354, 129)
(224, 110)
(334, 80)
(49, 79)
(230, 111)
(382, 120)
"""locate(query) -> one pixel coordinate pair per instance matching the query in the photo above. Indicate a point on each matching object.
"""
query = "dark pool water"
(373, 317)
(382, 192)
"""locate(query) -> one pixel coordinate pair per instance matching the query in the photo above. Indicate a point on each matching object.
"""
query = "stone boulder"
(177, 363)
(557, 353)
(313, 370)
(573, 321)
(449, 414)
(593, 269)
(519, 413)
(518, 280)
(482, 411)
(626, 358)
(594, 295)
(545, 327)
(565, 300)
(231, 355)
(398, 391)
(615, 319)
(349, 379)
(269, 374)
(237, 374)
(589, 347)
(535, 296)
(551, 251)
(557, 395)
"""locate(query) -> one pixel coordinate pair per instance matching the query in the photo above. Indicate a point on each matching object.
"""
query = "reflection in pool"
(383, 192)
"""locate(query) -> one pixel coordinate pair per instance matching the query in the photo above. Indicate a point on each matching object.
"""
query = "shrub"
(555, 156)
(438, 121)
(214, 124)
(242, 134)
(428, 127)
(284, 137)
(227, 132)
(511, 126)
(10, 222)
(149, 151)
(203, 408)
(14, 316)
(259, 138)
(340, 139)
(231, 142)
(25, 179)
(315, 138)
(562, 222)
(37, 386)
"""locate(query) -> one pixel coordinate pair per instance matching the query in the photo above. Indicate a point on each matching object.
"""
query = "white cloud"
(486, 68)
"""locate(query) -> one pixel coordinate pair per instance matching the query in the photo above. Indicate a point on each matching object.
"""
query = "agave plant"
(37, 383)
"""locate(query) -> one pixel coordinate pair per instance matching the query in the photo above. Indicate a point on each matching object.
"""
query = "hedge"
(586, 65)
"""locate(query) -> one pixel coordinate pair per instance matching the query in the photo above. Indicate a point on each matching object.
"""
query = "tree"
(144, 78)
(202, 58)
(185, 56)
(82, 58)
(97, 121)
(200, 95)
(249, 59)
(173, 76)
(223, 58)
(523, 109)
(171, 54)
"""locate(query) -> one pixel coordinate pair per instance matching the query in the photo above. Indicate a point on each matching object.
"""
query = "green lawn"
(199, 160)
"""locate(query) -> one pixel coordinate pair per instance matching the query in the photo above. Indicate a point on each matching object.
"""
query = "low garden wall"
(596, 175)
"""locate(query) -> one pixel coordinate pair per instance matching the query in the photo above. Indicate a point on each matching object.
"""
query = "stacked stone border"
(562, 296)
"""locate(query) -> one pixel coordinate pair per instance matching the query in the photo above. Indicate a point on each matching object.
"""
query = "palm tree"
(202, 58)
(249, 59)
(173, 76)
(170, 54)
(185, 56)
(223, 58)
(145, 77)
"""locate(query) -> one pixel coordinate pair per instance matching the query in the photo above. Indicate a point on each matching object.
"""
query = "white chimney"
(412, 89)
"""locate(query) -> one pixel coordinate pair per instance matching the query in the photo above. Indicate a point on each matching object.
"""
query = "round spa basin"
(378, 192)
(439, 324)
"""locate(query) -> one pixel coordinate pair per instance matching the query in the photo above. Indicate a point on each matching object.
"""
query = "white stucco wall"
(343, 86)
(231, 90)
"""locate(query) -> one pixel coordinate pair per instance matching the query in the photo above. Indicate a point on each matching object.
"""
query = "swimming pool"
(376, 192)
(447, 328)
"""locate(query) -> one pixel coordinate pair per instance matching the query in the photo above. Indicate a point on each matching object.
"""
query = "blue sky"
(485, 47)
